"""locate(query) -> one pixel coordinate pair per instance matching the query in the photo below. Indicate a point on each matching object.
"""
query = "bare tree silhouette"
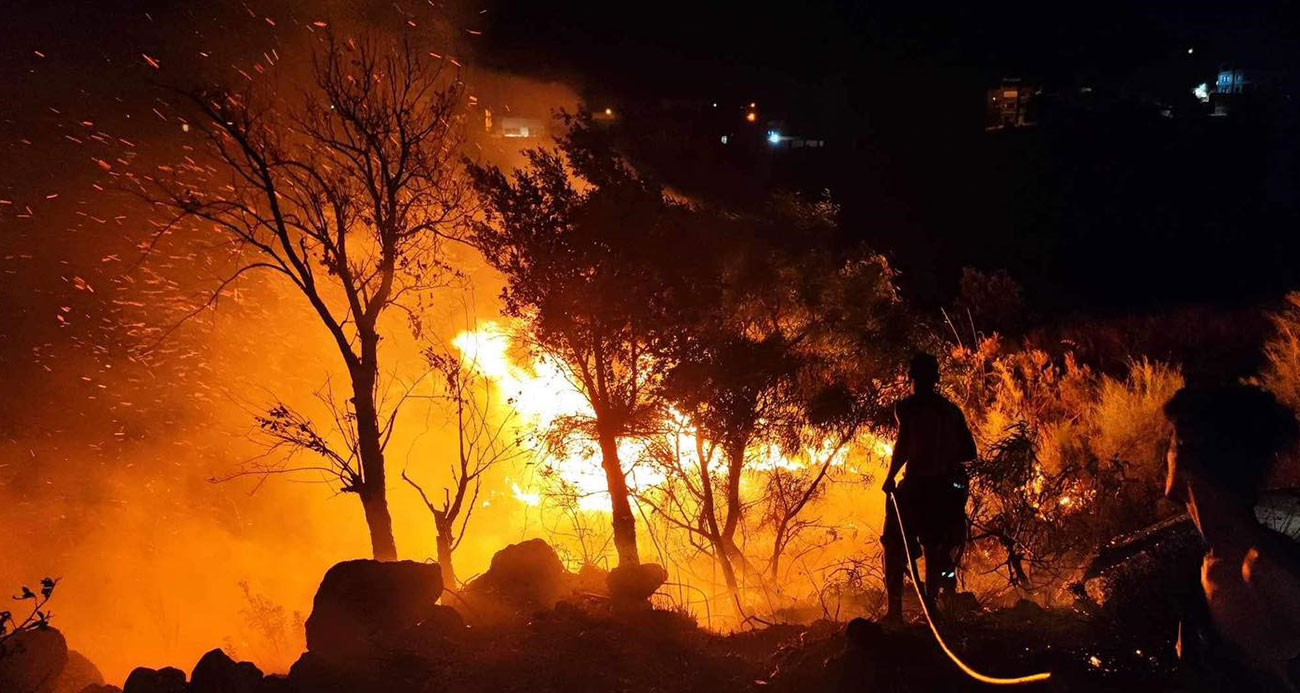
(347, 193)
(485, 437)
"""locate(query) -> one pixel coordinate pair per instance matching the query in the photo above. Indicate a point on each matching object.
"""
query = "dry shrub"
(1088, 455)
(1281, 374)
(1128, 425)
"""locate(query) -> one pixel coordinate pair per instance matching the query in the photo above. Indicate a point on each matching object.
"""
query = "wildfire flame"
(540, 394)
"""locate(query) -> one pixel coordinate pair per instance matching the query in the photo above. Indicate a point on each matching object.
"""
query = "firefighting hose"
(925, 609)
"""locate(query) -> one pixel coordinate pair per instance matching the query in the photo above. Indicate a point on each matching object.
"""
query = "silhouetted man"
(934, 444)
(1225, 442)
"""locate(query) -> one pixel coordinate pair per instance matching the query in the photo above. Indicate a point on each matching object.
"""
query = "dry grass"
(1281, 373)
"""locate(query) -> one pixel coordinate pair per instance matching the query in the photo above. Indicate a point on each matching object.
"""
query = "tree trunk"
(735, 465)
(443, 542)
(728, 574)
(380, 524)
(374, 493)
(721, 551)
(623, 519)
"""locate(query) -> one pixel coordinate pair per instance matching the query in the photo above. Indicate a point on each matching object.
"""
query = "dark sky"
(1119, 215)
(893, 74)
(700, 46)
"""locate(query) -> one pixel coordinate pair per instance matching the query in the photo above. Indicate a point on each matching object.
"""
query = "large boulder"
(633, 584)
(216, 672)
(78, 674)
(523, 579)
(365, 607)
(146, 680)
(592, 581)
(31, 661)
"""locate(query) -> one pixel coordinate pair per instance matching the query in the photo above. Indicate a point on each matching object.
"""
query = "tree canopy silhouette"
(597, 259)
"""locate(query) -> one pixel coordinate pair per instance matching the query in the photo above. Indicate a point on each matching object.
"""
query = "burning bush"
(1282, 372)
(1069, 457)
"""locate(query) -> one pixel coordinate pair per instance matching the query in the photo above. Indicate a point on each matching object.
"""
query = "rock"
(1138, 584)
(443, 622)
(523, 579)
(364, 606)
(32, 661)
(312, 673)
(629, 584)
(433, 636)
(276, 684)
(146, 680)
(394, 671)
(216, 672)
(78, 674)
(591, 580)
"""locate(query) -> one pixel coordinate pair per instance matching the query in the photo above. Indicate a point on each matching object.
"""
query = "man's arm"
(968, 449)
(899, 456)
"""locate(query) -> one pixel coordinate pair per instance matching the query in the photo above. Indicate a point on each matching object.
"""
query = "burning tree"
(483, 440)
(788, 354)
(728, 392)
(595, 258)
(346, 194)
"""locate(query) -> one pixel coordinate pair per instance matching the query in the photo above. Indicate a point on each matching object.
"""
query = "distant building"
(512, 125)
(1010, 105)
(778, 137)
(1231, 82)
(1241, 90)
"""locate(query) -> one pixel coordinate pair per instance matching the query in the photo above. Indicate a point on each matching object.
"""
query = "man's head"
(924, 371)
(1227, 435)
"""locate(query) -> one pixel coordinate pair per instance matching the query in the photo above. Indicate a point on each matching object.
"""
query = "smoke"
(111, 438)
(115, 425)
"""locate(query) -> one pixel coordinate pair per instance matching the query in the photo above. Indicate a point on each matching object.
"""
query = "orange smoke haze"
(112, 438)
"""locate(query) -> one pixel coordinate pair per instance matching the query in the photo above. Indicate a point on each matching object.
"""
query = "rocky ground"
(529, 625)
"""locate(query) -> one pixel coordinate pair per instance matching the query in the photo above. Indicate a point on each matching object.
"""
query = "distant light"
(715, 104)
(1190, 51)
(609, 111)
(773, 137)
(751, 116)
(1202, 92)
(753, 105)
(185, 127)
(724, 139)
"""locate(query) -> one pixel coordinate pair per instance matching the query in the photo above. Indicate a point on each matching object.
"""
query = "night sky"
(896, 87)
